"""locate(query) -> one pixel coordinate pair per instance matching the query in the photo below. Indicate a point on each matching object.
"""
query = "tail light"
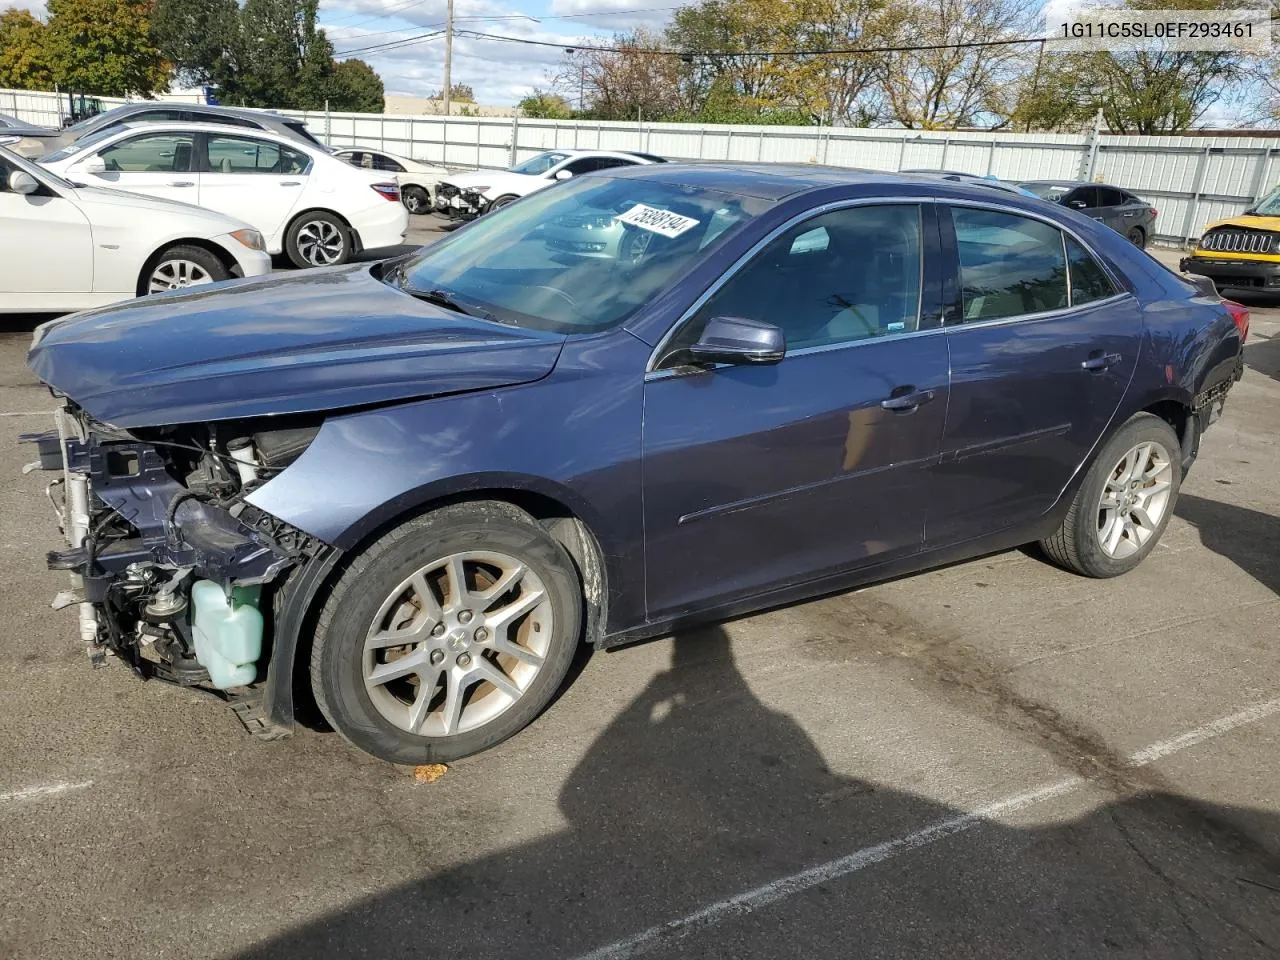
(1240, 315)
(388, 191)
(1154, 213)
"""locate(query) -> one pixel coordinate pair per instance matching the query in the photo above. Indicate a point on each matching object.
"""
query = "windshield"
(1269, 206)
(579, 257)
(1048, 191)
(84, 143)
(22, 163)
(540, 164)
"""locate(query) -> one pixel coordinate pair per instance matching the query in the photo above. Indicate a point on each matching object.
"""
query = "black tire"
(416, 200)
(501, 202)
(1077, 544)
(1138, 237)
(178, 254)
(338, 657)
(318, 239)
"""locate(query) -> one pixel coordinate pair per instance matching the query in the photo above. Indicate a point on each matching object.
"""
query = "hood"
(106, 197)
(313, 341)
(1251, 222)
(497, 181)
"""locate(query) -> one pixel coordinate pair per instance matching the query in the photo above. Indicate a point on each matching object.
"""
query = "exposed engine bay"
(172, 571)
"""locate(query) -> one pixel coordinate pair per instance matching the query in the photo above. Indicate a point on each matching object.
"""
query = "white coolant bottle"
(227, 632)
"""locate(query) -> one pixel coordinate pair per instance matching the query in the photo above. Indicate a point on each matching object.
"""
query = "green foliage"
(103, 47)
(200, 38)
(24, 62)
(458, 93)
(544, 105)
(356, 88)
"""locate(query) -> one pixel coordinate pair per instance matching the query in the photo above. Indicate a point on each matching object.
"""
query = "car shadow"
(698, 792)
(1263, 355)
(1247, 538)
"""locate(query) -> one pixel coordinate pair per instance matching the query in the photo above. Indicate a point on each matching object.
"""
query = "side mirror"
(1076, 204)
(738, 340)
(22, 182)
(93, 165)
(564, 174)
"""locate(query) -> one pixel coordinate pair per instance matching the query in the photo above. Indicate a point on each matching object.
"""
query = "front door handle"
(182, 183)
(908, 401)
(1100, 361)
(289, 183)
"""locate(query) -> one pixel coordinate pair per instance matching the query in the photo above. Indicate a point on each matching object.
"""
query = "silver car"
(153, 112)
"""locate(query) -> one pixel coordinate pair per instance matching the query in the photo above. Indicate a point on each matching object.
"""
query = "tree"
(544, 105)
(24, 61)
(356, 88)
(201, 39)
(458, 93)
(104, 47)
(955, 86)
(1149, 91)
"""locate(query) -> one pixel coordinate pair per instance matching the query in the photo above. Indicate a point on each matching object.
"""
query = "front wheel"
(1124, 503)
(179, 267)
(448, 635)
(501, 202)
(318, 239)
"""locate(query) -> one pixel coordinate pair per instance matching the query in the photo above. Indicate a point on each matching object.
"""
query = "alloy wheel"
(457, 643)
(176, 274)
(1135, 499)
(320, 243)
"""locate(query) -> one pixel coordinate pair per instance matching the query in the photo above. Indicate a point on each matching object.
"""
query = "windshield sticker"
(657, 221)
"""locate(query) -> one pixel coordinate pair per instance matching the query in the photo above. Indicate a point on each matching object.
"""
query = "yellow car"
(1241, 252)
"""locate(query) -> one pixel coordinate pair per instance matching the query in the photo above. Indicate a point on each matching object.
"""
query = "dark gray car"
(26, 139)
(1121, 210)
(155, 112)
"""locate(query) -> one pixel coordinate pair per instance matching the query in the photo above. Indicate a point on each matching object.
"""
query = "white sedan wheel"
(176, 274)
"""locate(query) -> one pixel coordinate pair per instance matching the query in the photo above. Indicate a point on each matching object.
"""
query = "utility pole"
(448, 60)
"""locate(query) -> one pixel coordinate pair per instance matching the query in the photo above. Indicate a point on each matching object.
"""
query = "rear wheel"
(181, 266)
(318, 239)
(1124, 504)
(1138, 237)
(416, 200)
(448, 635)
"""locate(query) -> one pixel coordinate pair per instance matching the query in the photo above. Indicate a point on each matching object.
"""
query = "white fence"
(1190, 180)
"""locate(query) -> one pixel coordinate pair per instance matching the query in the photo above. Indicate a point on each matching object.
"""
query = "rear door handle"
(906, 402)
(289, 183)
(182, 183)
(1100, 361)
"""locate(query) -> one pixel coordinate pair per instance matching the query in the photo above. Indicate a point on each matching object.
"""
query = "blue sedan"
(637, 400)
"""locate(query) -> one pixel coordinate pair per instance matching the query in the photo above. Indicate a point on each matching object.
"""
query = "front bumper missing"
(136, 541)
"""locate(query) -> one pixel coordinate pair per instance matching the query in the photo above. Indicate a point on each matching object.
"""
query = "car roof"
(218, 128)
(774, 181)
(209, 109)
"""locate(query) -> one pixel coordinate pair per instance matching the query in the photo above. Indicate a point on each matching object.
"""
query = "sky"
(499, 73)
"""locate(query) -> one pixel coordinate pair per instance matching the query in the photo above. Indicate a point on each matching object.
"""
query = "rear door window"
(1089, 282)
(1009, 265)
(231, 154)
(1109, 197)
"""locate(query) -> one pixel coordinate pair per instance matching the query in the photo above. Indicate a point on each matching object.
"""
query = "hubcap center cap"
(458, 640)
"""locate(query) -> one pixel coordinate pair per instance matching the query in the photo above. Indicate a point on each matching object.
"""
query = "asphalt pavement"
(995, 759)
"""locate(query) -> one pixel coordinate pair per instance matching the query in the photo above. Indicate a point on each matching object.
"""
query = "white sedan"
(64, 247)
(466, 195)
(306, 202)
(417, 179)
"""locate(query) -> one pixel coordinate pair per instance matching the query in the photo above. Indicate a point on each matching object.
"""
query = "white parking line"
(751, 900)
(44, 790)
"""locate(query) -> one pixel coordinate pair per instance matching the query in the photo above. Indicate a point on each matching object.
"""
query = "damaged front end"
(172, 570)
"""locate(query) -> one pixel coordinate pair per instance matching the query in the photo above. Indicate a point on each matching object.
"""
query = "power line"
(391, 44)
(477, 35)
